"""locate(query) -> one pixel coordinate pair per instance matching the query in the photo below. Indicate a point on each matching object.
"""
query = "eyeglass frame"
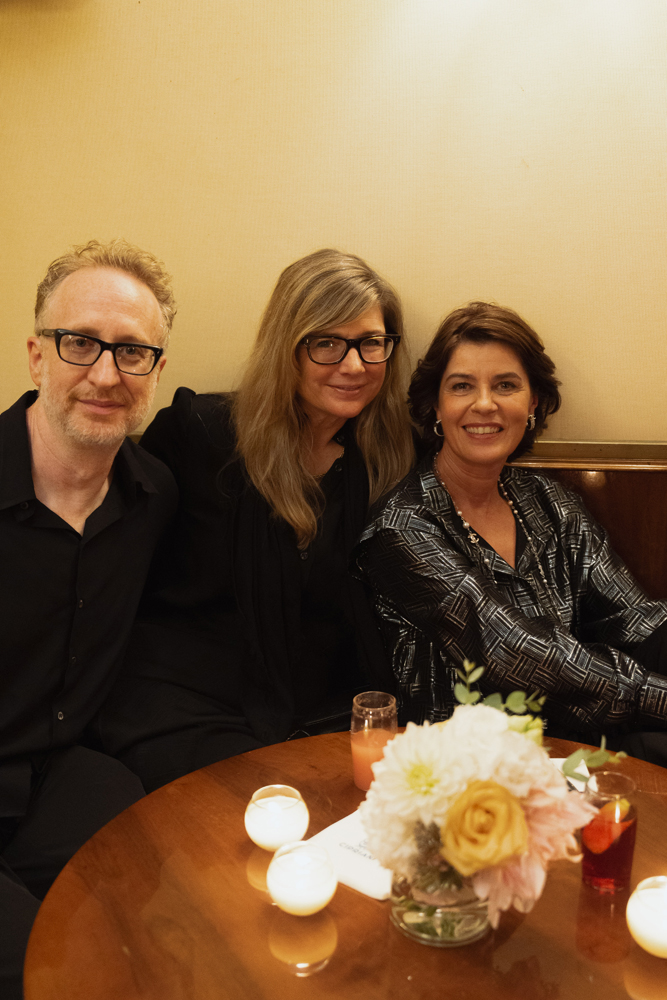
(60, 332)
(355, 342)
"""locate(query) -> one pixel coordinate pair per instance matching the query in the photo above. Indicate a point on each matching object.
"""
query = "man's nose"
(104, 371)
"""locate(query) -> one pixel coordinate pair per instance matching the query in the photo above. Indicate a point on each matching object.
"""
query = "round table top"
(165, 902)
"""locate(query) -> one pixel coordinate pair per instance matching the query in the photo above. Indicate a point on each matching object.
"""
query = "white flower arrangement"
(473, 799)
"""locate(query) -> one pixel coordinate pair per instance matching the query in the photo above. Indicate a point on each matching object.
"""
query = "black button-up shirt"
(67, 601)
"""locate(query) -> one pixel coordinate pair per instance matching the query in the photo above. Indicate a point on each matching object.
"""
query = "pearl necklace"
(471, 534)
(472, 537)
(529, 537)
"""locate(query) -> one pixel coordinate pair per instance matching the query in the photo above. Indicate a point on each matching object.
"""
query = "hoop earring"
(531, 422)
(438, 433)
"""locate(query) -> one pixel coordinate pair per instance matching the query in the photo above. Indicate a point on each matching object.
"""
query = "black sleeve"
(166, 436)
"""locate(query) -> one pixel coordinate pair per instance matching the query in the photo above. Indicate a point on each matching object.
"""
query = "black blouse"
(232, 611)
(567, 620)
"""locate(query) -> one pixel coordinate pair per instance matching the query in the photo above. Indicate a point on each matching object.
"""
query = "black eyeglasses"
(80, 349)
(329, 349)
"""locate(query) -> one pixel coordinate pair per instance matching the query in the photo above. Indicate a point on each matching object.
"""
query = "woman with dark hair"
(471, 558)
(251, 629)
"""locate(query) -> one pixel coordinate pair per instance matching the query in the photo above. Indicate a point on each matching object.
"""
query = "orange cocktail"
(367, 747)
(373, 725)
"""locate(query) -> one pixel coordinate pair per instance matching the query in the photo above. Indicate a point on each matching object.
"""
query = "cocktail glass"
(608, 841)
(373, 724)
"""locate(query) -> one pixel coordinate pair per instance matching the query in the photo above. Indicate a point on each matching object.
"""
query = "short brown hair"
(122, 256)
(481, 322)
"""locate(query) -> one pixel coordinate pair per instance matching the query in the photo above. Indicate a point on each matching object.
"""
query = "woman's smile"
(484, 402)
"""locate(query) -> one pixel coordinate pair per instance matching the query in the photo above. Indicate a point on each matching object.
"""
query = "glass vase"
(447, 918)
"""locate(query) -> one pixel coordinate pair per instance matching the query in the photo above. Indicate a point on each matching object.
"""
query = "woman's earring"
(531, 422)
(438, 433)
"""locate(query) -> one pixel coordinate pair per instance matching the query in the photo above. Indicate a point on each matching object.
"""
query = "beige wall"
(504, 149)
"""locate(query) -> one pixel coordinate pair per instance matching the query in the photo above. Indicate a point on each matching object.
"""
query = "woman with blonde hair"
(251, 629)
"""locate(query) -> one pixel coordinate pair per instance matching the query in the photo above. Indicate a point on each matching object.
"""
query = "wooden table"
(158, 905)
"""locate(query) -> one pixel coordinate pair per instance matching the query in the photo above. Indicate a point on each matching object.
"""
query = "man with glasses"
(81, 510)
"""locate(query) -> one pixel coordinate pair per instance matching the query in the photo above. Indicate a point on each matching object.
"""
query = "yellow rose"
(485, 826)
(528, 725)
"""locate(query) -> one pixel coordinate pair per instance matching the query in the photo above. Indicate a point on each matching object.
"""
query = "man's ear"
(160, 365)
(35, 358)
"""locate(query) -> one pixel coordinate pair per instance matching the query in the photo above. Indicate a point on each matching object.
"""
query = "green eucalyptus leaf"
(494, 700)
(473, 697)
(475, 675)
(575, 759)
(570, 772)
(462, 677)
(597, 758)
(534, 703)
(516, 702)
(461, 694)
(468, 666)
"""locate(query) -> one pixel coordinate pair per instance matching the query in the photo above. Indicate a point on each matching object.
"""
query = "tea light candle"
(276, 815)
(301, 879)
(646, 914)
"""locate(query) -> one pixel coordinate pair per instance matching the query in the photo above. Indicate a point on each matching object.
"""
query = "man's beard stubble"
(86, 431)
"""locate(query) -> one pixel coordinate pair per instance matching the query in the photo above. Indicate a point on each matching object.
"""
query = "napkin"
(582, 769)
(345, 842)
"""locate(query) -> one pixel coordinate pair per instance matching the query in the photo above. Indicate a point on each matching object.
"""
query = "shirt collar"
(522, 490)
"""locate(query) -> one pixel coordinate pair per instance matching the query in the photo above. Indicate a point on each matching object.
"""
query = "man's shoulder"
(15, 471)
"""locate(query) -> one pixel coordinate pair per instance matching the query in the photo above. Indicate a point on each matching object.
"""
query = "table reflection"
(602, 933)
(304, 944)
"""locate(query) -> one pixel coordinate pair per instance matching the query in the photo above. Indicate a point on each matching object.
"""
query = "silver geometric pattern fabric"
(440, 599)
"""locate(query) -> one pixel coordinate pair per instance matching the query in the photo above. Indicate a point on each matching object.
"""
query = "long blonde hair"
(325, 289)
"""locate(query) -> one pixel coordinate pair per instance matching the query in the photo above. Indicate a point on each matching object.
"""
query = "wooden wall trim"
(593, 456)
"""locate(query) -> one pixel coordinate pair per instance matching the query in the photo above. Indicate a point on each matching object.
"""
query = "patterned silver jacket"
(441, 598)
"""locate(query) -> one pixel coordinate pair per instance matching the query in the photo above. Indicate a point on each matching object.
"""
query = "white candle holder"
(301, 878)
(276, 815)
(646, 914)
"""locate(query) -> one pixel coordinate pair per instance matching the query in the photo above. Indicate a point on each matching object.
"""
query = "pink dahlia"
(551, 822)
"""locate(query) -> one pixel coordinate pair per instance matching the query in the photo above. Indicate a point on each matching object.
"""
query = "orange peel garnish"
(607, 826)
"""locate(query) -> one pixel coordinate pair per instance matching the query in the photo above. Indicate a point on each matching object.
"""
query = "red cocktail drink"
(608, 842)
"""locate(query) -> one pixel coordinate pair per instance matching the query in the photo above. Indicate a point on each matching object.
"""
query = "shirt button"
(80, 603)
(60, 716)
(25, 505)
(72, 659)
(303, 555)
